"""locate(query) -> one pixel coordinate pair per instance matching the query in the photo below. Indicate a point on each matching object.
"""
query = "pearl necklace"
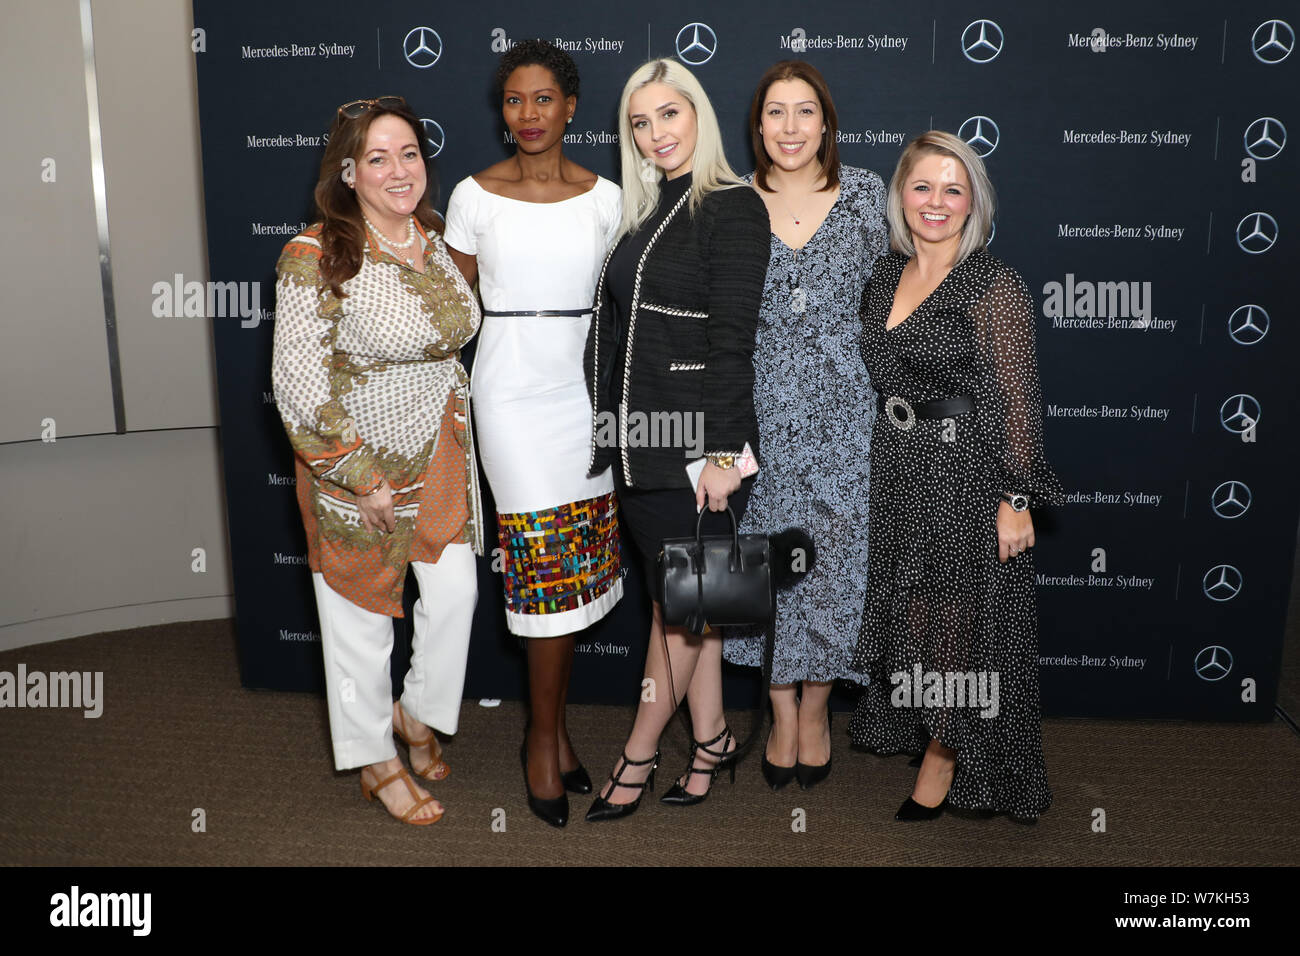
(389, 242)
(410, 237)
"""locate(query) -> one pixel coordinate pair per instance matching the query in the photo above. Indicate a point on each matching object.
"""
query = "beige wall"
(101, 529)
(54, 363)
(148, 101)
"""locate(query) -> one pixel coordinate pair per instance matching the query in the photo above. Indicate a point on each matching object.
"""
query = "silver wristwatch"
(1018, 502)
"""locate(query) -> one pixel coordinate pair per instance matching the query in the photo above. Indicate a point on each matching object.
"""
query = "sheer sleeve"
(1010, 403)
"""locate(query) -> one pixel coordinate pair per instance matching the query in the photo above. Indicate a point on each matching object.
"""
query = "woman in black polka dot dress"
(949, 632)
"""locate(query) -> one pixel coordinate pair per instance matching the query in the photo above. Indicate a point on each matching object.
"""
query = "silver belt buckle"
(904, 423)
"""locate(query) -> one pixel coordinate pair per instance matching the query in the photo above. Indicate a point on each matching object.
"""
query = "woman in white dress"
(533, 230)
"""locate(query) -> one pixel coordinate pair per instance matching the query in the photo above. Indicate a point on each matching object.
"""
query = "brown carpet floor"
(179, 735)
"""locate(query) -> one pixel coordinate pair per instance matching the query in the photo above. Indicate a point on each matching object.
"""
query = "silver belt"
(574, 312)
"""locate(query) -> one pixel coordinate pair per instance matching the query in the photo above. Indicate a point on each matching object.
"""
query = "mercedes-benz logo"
(1239, 412)
(434, 137)
(1247, 324)
(696, 43)
(981, 134)
(993, 231)
(1213, 662)
(1230, 500)
(981, 41)
(1221, 583)
(1256, 233)
(1272, 41)
(423, 47)
(1265, 137)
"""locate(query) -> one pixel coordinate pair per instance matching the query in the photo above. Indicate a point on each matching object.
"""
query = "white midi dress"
(557, 528)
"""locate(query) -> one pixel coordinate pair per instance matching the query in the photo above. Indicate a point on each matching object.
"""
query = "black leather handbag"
(720, 580)
(713, 580)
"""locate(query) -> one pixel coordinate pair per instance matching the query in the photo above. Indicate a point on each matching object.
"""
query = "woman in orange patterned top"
(370, 316)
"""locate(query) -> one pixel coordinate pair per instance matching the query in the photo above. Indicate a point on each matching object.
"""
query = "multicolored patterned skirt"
(562, 566)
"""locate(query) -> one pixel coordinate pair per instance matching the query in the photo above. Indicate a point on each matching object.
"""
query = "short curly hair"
(543, 53)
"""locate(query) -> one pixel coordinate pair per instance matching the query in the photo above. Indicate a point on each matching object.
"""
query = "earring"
(570, 119)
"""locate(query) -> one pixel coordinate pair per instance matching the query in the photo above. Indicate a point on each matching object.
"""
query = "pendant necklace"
(798, 300)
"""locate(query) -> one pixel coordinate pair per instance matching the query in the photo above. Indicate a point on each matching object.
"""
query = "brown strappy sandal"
(436, 768)
(369, 793)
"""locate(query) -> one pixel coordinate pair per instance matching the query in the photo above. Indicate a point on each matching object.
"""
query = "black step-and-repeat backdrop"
(1147, 194)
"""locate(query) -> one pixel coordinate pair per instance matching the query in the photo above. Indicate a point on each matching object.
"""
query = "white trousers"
(357, 645)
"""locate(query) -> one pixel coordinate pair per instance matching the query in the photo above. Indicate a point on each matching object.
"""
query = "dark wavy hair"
(827, 152)
(543, 53)
(343, 236)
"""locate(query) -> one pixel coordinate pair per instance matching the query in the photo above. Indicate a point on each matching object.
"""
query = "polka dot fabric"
(371, 389)
(949, 635)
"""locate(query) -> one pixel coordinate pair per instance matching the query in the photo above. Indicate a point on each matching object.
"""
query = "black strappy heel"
(678, 795)
(602, 809)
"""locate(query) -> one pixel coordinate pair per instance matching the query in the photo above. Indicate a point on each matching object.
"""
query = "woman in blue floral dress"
(815, 406)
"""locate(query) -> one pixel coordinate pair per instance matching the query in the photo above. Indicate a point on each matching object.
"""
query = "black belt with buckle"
(903, 414)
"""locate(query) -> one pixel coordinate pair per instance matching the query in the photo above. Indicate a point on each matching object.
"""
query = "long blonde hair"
(709, 166)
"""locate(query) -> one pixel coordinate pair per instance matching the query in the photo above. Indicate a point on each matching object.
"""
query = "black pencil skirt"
(650, 516)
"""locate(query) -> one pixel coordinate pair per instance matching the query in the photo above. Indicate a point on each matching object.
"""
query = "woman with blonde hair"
(673, 340)
(949, 630)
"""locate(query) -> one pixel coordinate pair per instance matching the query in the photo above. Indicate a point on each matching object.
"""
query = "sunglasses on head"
(357, 107)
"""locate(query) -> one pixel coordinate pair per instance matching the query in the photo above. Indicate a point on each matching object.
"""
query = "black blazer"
(689, 343)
